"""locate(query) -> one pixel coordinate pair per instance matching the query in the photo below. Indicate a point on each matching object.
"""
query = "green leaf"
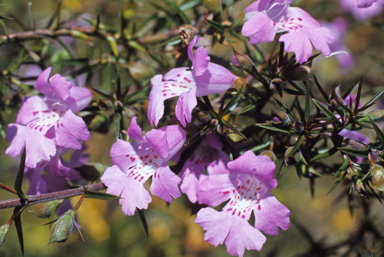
(19, 227)
(272, 127)
(286, 110)
(172, 41)
(380, 134)
(110, 98)
(179, 12)
(99, 195)
(113, 44)
(233, 103)
(337, 182)
(372, 101)
(190, 4)
(216, 25)
(326, 112)
(326, 97)
(19, 178)
(323, 154)
(307, 106)
(355, 152)
(358, 95)
(143, 221)
(233, 128)
(55, 16)
(247, 108)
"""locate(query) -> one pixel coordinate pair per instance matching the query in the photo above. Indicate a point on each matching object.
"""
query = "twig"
(35, 199)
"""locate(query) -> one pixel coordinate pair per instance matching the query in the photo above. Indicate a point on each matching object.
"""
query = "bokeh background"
(322, 220)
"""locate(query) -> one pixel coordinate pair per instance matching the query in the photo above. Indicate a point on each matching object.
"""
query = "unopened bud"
(203, 116)
(3, 233)
(277, 85)
(293, 159)
(377, 173)
(45, 210)
(118, 105)
(129, 112)
(63, 227)
(280, 117)
(300, 73)
(213, 6)
(298, 126)
(241, 61)
(269, 154)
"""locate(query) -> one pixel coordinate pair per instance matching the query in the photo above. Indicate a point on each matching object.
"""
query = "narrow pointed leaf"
(272, 127)
(380, 134)
(19, 178)
(337, 182)
(19, 227)
(372, 101)
(143, 221)
(355, 152)
(247, 108)
(358, 96)
(323, 154)
(179, 12)
(233, 128)
(297, 145)
(326, 112)
(100, 195)
(326, 97)
(307, 106)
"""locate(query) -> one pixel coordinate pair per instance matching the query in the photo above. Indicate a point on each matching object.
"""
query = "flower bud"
(63, 227)
(203, 116)
(277, 85)
(295, 158)
(45, 210)
(129, 112)
(300, 73)
(269, 154)
(377, 173)
(298, 126)
(241, 61)
(3, 233)
(280, 117)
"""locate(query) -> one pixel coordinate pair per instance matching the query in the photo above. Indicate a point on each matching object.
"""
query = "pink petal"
(69, 129)
(155, 101)
(165, 184)
(190, 48)
(79, 98)
(216, 189)
(38, 147)
(42, 85)
(270, 215)
(31, 109)
(133, 193)
(260, 28)
(125, 154)
(187, 101)
(191, 175)
(134, 130)
(60, 86)
(259, 166)
(200, 63)
(175, 138)
(158, 140)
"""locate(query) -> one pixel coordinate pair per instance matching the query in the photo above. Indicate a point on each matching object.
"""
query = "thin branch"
(35, 199)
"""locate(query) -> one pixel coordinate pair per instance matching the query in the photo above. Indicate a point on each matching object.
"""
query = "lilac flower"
(43, 123)
(247, 190)
(362, 9)
(206, 78)
(135, 162)
(338, 28)
(208, 154)
(268, 17)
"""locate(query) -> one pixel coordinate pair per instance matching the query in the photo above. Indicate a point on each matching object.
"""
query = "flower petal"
(79, 98)
(270, 214)
(184, 107)
(60, 86)
(190, 48)
(216, 189)
(42, 85)
(133, 193)
(158, 140)
(260, 28)
(69, 129)
(31, 109)
(200, 63)
(165, 184)
(134, 130)
(259, 166)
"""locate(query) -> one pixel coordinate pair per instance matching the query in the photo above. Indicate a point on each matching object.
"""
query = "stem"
(35, 199)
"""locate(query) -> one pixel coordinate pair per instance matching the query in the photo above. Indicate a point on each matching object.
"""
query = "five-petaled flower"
(205, 78)
(43, 123)
(135, 162)
(247, 189)
(268, 17)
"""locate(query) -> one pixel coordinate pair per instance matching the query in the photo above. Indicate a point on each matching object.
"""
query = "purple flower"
(338, 28)
(268, 17)
(365, 3)
(208, 154)
(362, 9)
(205, 78)
(43, 123)
(135, 162)
(247, 190)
